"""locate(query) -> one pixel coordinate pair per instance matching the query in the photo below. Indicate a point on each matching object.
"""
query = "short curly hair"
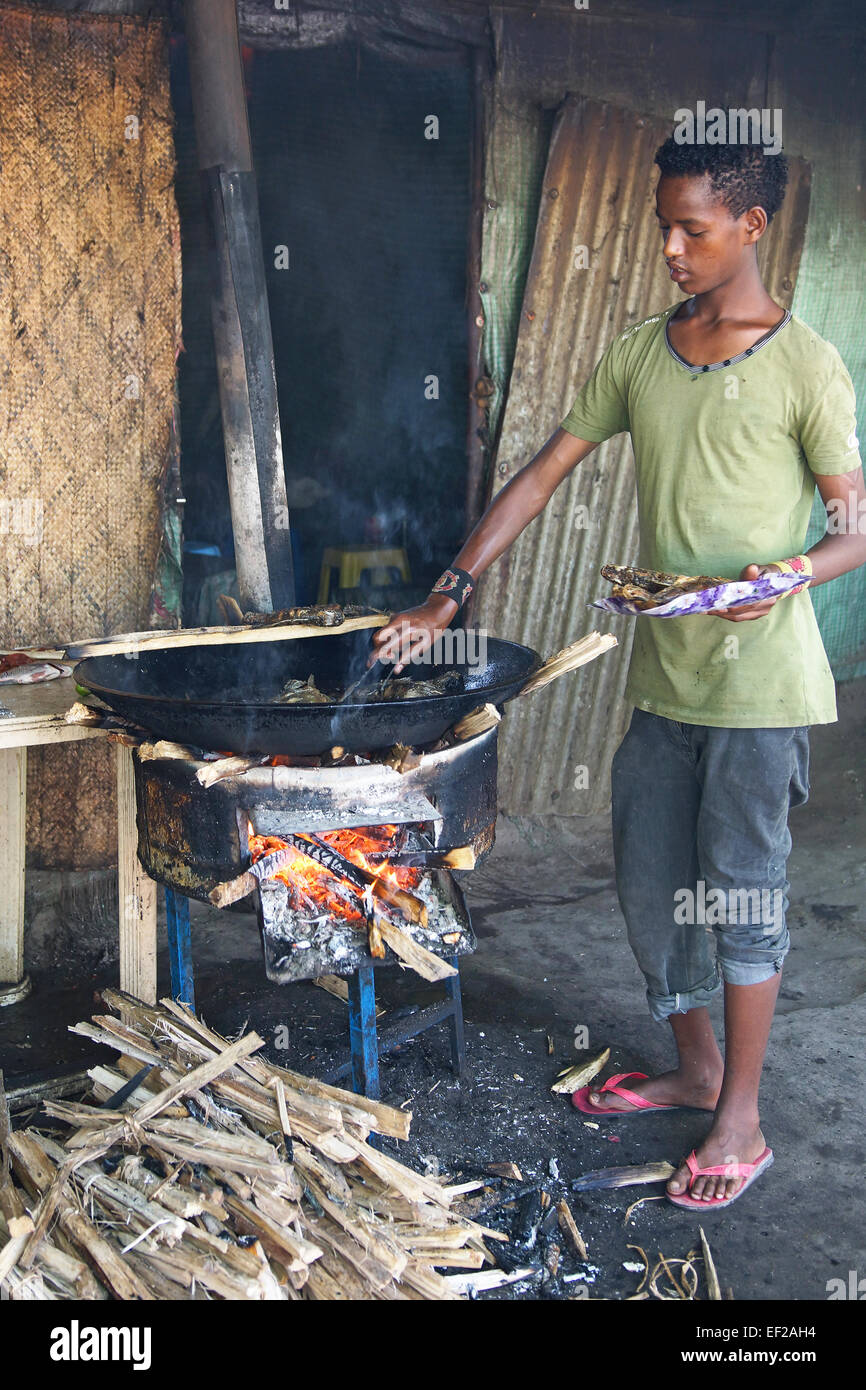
(741, 175)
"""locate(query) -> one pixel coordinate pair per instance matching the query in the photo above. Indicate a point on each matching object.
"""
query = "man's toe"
(680, 1180)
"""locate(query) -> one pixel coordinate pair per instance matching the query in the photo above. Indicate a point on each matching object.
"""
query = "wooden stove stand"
(38, 717)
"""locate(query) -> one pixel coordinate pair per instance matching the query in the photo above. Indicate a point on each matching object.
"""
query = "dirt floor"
(552, 957)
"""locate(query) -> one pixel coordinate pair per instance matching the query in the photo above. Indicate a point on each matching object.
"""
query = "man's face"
(704, 245)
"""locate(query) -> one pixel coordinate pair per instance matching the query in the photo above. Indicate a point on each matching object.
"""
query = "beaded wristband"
(799, 564)
(455, 584)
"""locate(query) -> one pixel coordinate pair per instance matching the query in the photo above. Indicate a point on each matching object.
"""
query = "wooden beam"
(159, 639)
(476, 447)
(241, 321)
(136, 893)
(13, 814)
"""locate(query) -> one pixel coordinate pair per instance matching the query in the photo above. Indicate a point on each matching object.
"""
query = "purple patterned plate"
(734, 595)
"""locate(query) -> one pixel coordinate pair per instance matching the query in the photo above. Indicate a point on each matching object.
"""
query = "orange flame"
(312, 884)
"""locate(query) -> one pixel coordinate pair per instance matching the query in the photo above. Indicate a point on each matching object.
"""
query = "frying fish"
(296, 692)
(404, 688)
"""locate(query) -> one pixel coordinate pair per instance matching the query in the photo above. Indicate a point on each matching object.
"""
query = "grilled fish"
(651, 588)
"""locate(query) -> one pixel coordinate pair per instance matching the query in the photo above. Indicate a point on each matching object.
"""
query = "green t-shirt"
(725, 459)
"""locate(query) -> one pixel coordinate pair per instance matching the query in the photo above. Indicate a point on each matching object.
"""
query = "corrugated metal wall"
(596, 268)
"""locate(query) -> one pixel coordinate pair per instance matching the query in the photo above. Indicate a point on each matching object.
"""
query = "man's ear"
(755, 222)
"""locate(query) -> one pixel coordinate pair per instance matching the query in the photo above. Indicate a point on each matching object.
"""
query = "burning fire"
(315, 887)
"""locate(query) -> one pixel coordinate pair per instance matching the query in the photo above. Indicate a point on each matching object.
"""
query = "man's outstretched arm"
(410, 633)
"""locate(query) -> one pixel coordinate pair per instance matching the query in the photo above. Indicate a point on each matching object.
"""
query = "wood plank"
(428, 966)
(136, 893)
(13, 815)
(215, 636)
(38, 714)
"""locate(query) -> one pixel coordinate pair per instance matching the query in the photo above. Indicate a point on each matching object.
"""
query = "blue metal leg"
(179, 952)
(363, 1041)
(455, 1022)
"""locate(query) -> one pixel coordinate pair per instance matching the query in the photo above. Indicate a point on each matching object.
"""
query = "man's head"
(714, 202)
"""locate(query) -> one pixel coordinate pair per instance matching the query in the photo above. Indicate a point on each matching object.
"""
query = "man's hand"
(748, 611)
(407, 636)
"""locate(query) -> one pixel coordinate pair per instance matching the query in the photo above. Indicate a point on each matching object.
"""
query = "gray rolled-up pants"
(701, 843)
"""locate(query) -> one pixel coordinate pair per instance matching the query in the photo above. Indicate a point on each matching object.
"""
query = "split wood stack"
(215, 1174)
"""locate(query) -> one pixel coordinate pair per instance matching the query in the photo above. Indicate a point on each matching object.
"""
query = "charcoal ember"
(528, 1220)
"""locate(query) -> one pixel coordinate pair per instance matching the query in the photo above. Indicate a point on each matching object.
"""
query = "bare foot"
(726, 1143)
(671, 1088)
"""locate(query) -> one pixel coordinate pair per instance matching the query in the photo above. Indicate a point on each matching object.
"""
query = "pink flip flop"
(749, 1171)
(581, 1097)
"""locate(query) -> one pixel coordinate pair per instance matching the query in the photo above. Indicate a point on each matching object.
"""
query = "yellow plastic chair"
(351, 562)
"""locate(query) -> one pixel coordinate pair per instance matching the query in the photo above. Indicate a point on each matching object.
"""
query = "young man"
(737, 412)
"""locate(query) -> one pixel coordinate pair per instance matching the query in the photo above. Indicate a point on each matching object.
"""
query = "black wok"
(220, 697)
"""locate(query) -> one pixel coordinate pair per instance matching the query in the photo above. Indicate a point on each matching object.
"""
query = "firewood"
(713, 1286)
(452, 1259)
(428, 1283)
(424, 962)
(335, 1219)
(569, 1228)
(181, 1201)
(336, 985)
(80, 713)
(221, 768)
(165, 748)
(462, 857)
(488, 1279)
(385, 1119)
(402, 758)
(37, 1169)
(639, 1173)
(372, 1271)
(236, 888)
(318, 849)
(505, 1170)
(569, 659)
(359, 1109)
(322, 1286)
(572, 1078)
(224, 894)
(113, 1033)
(68, 1273)
(374, 939)
(477, 721)
(207, 1272)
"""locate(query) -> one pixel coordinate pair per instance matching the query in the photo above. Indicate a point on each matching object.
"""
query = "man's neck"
(742, 299)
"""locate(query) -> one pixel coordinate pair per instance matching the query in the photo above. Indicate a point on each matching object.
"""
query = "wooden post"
(476, 452)
(241, 322)
(363, 1041)
(136, 893)
(14, 984)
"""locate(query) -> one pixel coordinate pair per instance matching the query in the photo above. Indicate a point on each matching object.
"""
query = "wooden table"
(38, 718)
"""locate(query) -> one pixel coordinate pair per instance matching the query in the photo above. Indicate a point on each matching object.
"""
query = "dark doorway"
(364, 225)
